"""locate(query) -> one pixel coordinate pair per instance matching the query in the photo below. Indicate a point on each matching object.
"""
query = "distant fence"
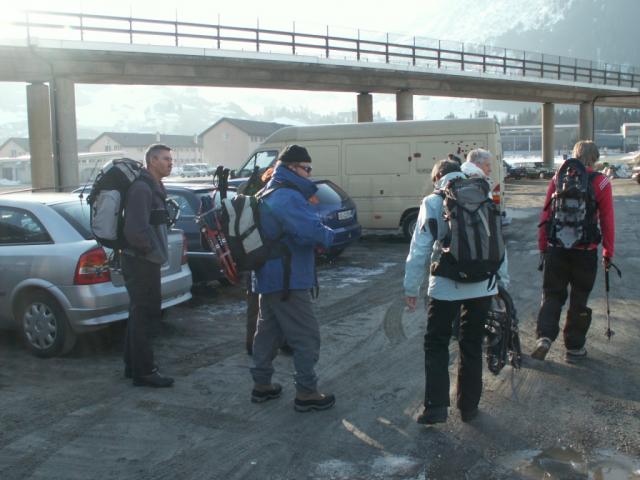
(365, 47)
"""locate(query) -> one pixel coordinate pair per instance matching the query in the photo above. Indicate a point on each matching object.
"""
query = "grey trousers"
(291, 320)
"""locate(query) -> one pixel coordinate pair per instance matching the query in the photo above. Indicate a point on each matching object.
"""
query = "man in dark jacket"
(284, 283)
(145, 230)
(575, 267)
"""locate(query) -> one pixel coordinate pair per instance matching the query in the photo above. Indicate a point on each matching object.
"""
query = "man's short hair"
(442, 167)
(153, 150)
(479, 156)
(587, 152)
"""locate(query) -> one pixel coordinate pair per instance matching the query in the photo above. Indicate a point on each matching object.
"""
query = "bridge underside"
(62, 64)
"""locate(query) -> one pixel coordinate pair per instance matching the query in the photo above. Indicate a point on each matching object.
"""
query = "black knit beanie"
(294, 154)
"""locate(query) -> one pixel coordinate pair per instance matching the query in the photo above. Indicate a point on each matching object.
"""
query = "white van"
(385, 167)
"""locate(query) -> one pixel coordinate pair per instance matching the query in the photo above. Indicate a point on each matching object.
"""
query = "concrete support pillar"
(404, 105)
(65, 145)
(44, 174)
(548, 125)
(365, 107)
(586, 121)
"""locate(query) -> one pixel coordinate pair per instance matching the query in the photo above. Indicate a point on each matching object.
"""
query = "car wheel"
(541, 176)
(409, 225)
(45, 326)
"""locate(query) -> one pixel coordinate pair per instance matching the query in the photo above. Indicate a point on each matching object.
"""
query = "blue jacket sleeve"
(419, 257)
(301, 222)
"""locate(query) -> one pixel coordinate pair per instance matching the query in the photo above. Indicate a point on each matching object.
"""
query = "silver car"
(55, 280)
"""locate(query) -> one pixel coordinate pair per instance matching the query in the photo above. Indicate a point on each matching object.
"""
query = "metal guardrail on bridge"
(372, 48)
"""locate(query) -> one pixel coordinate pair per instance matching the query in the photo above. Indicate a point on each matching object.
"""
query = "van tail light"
(184, 249)
(92, 268)
(496, 195)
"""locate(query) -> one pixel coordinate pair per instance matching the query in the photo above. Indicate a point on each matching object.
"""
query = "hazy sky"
(460, 20)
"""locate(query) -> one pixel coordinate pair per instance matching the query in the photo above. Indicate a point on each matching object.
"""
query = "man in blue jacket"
(285, 282)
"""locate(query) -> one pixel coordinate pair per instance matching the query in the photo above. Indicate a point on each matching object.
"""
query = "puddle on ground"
(565, 463)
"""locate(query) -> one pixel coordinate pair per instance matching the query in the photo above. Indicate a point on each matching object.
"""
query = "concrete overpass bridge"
(53, 51)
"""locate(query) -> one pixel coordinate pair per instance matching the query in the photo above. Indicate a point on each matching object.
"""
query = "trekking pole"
(609, 333)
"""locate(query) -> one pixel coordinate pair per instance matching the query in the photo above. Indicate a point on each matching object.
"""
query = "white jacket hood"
(440, 184)
(472, 170)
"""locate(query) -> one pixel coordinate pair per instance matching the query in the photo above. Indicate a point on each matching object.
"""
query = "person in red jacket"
(575, 267)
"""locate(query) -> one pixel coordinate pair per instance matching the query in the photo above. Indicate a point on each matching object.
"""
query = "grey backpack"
(107, 199)
(473, 247)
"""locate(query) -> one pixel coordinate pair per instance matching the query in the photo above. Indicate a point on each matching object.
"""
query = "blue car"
(336, 209)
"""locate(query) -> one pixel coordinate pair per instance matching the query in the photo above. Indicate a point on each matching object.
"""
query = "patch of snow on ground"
(343, 276)
(388, 466)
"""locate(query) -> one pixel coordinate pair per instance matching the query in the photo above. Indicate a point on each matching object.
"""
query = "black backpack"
(107, 200)
(473, 247)
(573, 220)
(502, 345)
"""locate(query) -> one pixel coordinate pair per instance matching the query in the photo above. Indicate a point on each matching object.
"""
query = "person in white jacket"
(445, 299)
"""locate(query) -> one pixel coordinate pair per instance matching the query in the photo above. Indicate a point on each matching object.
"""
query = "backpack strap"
(282, 247)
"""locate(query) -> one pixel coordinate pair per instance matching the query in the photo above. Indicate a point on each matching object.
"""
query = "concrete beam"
(548, 125)
(365, 107)
(586, 121)
(172, 66)
(44, 174)
(404, 105)
(65, 136)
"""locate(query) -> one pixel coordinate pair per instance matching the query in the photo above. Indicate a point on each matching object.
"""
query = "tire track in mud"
(384, 288)
(392, 322)
(56, 437)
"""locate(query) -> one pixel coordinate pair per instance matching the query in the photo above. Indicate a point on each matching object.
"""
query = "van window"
(262, 159)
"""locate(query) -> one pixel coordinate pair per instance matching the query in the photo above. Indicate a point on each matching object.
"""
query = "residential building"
(229, 141)
(186, 148)
(19, 146)
(14, 147)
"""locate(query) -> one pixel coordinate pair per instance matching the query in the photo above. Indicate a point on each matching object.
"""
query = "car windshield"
(77, 214)
(330, 194)
(262, 159)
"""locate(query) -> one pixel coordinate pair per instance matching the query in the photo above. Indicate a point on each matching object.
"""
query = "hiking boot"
(128, 372)
(575, 355)
(315, 401)
(468, 415)
(262, 393)
(154, 380)
(542, 348)
(432, 415)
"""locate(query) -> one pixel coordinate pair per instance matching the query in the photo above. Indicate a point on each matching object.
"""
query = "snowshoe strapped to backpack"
(473, 247)
(232, 229)
(573, 221)
(107, 200)
(503, 340)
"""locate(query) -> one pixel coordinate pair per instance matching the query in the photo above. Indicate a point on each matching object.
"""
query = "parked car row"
(57, 282)
(335, 208)
(537, 170)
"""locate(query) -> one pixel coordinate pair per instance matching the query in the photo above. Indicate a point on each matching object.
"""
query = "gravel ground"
(77, 418)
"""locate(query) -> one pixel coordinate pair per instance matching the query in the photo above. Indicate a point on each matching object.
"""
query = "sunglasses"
(307, 169)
